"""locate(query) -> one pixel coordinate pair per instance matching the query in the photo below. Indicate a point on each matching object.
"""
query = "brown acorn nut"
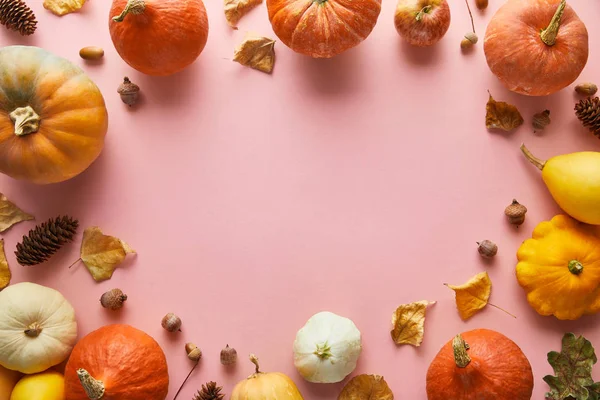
(171, 323)
(193, 352)
(91, 53)
(129, 92)
(228, 356)
(586, 89)
(113, 299)
(469, 40)
(481, 4)
(515, 213)
(541, 120)
(487, 248)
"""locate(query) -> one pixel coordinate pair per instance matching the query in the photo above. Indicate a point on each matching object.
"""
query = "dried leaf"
(573, 370)
(63, 7)
(473, 295)
(236, 9)
(408, 321)
(501, 115)
(5, 274)
(101, 253)
(257, 52)
(10, 214)
(364, 386)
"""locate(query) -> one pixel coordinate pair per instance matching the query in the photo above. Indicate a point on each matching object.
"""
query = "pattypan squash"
(559, 268)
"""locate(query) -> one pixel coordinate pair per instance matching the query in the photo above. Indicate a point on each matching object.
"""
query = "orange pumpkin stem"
(26, 120)
(135, 7)
(533, 159)
(460, 347)
(549, 34)
(423, 11)
(93, 387)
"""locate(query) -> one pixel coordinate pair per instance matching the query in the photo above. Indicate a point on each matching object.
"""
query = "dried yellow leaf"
(63, 7)
(473, 295)
(101, 253)
(10, 214)
(408, 321)
(236, 9)
(257, 52)
(501, 115)
(5, 274)
(363, 387)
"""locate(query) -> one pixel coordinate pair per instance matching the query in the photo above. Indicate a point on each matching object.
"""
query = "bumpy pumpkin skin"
(521, 60)
(323, 28)
(167, 37)
(73, 116)
(498, 370)
(543, 268)
(129, 362)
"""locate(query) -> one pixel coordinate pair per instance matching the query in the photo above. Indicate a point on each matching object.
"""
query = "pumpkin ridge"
(329, 7)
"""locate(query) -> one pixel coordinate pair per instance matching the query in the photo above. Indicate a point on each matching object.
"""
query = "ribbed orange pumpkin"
(323, 28)
(158, 37)
(117, 362)
(480, 365)
(536, 47)
(53, 119)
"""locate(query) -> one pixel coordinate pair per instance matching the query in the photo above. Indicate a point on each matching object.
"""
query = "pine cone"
(588, 112)
(15, 15)
(45, 239)
(210, 391)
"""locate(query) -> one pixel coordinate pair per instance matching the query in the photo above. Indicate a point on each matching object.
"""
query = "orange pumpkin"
(323, 28)
(53, 119)
(158, 37)
(117, 362)
(536, 47)
(480, 365)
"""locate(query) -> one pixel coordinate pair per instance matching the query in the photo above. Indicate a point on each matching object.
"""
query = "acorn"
(193, 352)
(228, 356)
(515, 213)
(91, 53)
(487, 248)
(469, 40)
(481, 4)
(113, 299)
(586, 89)
(171, 322)
(541, 120)
(129, 92)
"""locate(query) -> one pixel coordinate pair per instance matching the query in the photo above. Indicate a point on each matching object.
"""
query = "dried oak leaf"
(363, 387)
(501, 115)
(236, 9)
(10, 214)
(473, 295)
(63, 7)
(257, 52)
(408, 321)
(5, 274)
(101, 253)
(573, 370)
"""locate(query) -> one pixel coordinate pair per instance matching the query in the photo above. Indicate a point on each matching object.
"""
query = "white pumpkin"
(37, 328)
(327, 348)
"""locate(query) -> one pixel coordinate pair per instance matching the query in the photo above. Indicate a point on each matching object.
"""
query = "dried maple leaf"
(257, 52)
(5, 274)
(10, 214)
(364, 386)
(236, 9)
(408, 321)
(101, 253)
(62, 7)
(573, 370)
(501, 115)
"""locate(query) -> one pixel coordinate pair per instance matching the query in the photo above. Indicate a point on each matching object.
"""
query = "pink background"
(352, 185)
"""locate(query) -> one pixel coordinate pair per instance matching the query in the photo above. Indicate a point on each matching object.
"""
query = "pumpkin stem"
(254, 361)
(575, 267)
(549, 34)
(26, 120)
(460, 347)
(323, 351)
(33, 330)
(423, 11)
(533, 159)
(93, 388)
(135, 7)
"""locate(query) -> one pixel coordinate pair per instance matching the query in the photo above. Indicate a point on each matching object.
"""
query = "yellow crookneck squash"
(559, 268)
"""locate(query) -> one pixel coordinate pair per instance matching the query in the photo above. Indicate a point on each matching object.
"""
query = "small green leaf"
(573, 370)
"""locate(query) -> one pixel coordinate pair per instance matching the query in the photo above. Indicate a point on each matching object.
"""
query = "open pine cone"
(45, 240)
(588, 112)
(16, 15)
(210, 391)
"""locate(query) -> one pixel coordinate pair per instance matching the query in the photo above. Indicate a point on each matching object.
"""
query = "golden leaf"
(501, 115)
(473, 295)
(10, 214)
(364, 386)
(236, 9)
(257, 52)
(5, 274)
(408, 321)
(101, 253)
(62, 7)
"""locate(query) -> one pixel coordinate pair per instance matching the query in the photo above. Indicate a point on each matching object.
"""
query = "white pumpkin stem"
(323, 351)
(93, 387)
(33, 330)
(533, 159)
(135, 7)
(549, 34)
(460, 347)
(423, 11)
(26, 120)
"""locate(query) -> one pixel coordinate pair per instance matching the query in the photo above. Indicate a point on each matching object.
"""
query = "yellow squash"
(574, 182)
(49, 385)
(266, 386)
(559, 268)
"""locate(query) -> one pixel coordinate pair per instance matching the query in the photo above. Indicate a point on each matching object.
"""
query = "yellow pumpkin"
(559, 268)
(8, 380)
(52, 116)
(49, 385)
(265, 385)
